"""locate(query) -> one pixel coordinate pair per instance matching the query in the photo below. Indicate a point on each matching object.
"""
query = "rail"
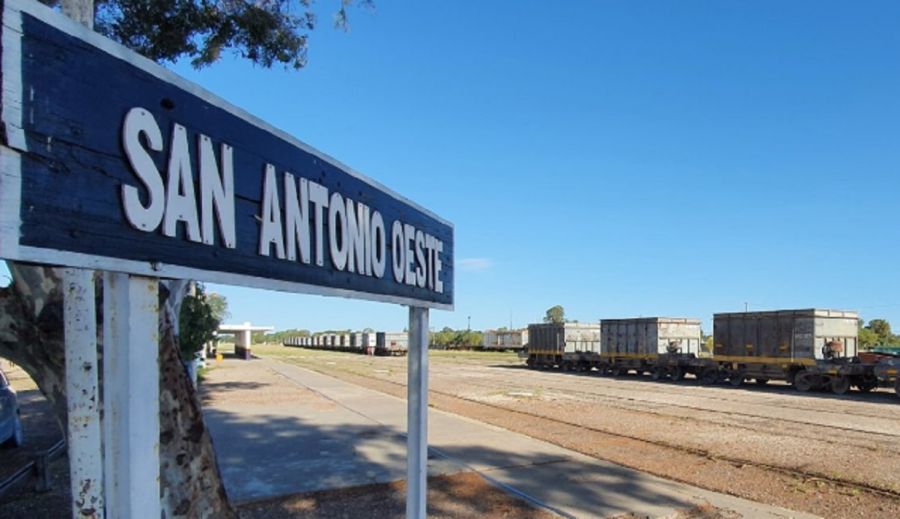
(39, 468)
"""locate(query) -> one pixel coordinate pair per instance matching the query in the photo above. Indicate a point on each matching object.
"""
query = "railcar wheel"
(840, 385)
(762, 381)
(658, 374)
(867, 385)
(617, 371)
(897, 387)
(736, 379)
(530, 363)
(678, 374)
(709, 376)
(803, 382)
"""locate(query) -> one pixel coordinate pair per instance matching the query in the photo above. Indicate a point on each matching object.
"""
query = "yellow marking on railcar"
(763, 360)
(617, 355)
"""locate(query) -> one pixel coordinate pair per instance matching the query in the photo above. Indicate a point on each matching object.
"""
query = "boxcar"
(391, 343)
(810, 348)
(502, 340)
(563, 345)
(662, 346)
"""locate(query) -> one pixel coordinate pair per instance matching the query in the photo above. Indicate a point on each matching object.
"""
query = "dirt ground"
(459, 496)
(818, 453)
(832, 456)
(42, 431)
(456, 496)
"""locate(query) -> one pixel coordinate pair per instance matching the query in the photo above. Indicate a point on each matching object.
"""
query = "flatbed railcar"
(887, 367)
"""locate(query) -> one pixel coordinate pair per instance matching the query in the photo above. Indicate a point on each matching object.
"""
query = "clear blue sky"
(617, 158)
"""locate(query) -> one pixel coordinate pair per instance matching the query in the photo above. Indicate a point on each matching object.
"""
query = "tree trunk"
(31, 335)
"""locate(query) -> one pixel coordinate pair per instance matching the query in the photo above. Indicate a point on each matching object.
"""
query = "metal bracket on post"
(417, 414)
(131, 395)
(82, 394)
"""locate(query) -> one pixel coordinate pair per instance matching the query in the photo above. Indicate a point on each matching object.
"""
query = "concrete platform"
(281, 429)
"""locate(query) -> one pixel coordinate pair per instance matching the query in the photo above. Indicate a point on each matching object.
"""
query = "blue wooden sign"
(110, 161)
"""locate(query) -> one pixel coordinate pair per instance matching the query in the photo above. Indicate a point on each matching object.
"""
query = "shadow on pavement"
(264, 455)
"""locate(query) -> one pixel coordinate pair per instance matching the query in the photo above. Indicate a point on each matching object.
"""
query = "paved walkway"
(282, 429)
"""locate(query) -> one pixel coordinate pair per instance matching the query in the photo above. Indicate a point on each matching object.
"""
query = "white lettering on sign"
(271, 232)
(376, 248)
(216, 190)
(337, 222)
(298, 217)
(139, 123)
(416, 257)
(175, 200)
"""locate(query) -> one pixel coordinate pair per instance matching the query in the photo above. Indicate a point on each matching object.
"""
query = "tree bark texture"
(32, 336)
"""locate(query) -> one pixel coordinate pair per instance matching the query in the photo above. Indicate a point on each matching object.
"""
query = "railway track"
(893, 494)
(36, 468)
(614, 400)
(733, 395)
(804, 475)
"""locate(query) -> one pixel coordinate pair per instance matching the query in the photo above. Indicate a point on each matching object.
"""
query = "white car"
(10, 423)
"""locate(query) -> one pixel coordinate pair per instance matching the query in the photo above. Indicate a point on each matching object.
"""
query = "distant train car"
(662, 346)
(563, 345)
(361, 342)
(502, 340)
(809, 348)
(355, 344)
(391, 343)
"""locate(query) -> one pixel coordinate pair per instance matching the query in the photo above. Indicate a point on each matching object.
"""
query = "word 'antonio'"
(354, 233)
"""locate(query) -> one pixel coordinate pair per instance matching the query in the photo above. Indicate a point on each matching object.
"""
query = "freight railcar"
(502, 340)
(391, 343)
(563, 345)
(661, 346)
(810, 348)
(886, 371)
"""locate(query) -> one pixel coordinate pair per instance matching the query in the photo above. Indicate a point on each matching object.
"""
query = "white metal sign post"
(417, 414)
(109, 162)
(130, 395)
(83, 431)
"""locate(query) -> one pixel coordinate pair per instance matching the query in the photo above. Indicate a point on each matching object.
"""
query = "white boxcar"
(505, 339)
(650, 336)
(391, 343)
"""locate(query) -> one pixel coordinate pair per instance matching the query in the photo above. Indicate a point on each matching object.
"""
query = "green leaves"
(198, 321)
(265, 32)
(555, 314)
(877, 332)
